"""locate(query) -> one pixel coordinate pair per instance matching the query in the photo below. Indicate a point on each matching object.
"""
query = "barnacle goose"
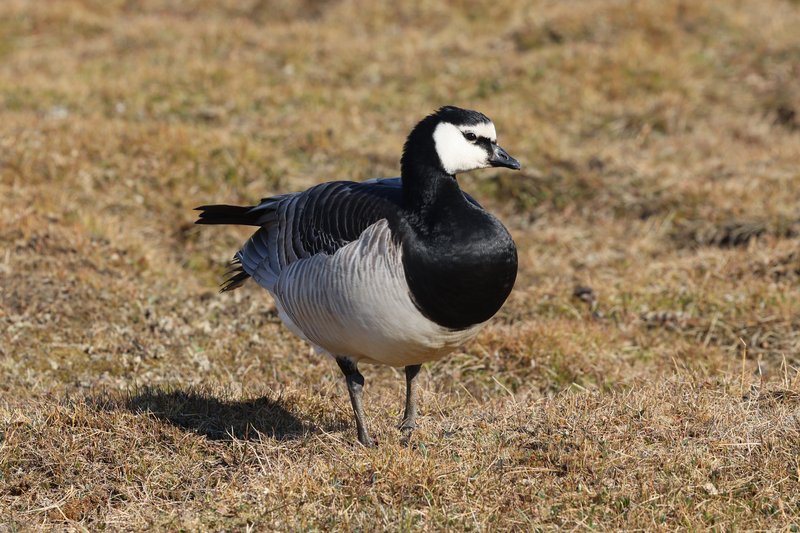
(395, 271)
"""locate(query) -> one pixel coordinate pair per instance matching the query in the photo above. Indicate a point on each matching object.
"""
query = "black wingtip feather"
(234, 282)
(237, 276)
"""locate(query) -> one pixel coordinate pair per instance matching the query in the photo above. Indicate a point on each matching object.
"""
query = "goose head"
(455, 140)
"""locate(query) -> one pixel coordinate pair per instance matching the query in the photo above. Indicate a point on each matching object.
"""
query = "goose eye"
(471, 136)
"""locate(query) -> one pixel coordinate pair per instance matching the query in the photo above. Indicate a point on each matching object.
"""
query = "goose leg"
(410, 416)
(355, 386)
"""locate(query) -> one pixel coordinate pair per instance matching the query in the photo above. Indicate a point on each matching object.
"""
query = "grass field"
(643, 374)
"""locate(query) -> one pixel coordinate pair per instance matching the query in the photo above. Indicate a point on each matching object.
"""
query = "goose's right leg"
(412, 392)
(355, 386)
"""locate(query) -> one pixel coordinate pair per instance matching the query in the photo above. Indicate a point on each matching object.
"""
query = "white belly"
(356, 303)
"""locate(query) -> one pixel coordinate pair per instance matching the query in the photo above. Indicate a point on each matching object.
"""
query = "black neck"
(425, 183)
(425, 186)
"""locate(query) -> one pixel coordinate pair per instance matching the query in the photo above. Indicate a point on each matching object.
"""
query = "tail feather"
(263, 214)
(229, 214)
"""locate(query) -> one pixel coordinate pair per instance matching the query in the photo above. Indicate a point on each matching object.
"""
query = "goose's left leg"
(355, 386)
(412, 391)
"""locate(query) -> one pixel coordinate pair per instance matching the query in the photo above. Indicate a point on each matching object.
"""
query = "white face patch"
(458, 154)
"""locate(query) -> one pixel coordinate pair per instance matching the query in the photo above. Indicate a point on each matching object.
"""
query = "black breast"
(460, 266)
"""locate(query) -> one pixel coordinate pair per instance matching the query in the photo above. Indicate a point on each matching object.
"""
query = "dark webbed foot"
(355, 387)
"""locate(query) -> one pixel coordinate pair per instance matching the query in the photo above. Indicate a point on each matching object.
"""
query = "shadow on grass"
(219, 419)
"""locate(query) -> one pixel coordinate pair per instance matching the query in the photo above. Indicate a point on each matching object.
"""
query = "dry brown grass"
(660, 144)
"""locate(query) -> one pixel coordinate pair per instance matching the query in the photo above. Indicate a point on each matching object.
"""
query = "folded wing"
(300, 225)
